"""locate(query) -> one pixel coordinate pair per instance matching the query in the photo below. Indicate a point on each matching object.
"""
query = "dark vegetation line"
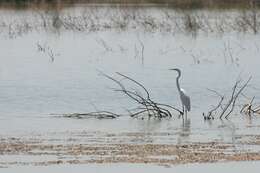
(178, 4)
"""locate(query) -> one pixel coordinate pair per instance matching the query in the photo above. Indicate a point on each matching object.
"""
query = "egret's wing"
(185, 99)
(188, 103)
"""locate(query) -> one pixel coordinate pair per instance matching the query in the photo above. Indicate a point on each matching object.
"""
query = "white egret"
(185, 99)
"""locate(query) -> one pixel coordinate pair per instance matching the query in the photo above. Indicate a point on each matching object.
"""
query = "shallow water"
(35, 87)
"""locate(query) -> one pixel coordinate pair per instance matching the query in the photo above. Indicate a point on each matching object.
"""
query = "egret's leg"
(183, 112)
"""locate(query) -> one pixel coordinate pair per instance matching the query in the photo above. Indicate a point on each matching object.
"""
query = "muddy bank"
(35, 151)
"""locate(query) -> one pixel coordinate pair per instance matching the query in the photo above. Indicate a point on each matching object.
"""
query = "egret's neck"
(177, 83)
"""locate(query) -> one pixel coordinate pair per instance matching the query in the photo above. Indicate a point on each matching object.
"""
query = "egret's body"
(185, 99)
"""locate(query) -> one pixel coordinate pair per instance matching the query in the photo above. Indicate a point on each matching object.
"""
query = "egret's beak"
(173, 69)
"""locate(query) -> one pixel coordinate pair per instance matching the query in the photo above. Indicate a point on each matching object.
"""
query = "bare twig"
(44, 48)
(102, 42)
(236, 96)
(146, 106)
(98, 114)
(233, 98)
(228, 108)
(249, 110)
(209, 115)
(142, 50)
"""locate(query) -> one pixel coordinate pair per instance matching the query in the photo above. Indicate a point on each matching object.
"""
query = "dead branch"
(98, 115)
(236, 96)
(233, 99)
(230, 100)
(146, 106)
(248, 109)
(102, 42)
(228, 108)
(142, 50)
(209, 115)
(44, 48)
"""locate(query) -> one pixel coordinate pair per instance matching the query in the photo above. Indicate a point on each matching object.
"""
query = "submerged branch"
(236, 96)
(210, 116)
(228, 108)
(97, 114)
(146, 106)
(249, 110)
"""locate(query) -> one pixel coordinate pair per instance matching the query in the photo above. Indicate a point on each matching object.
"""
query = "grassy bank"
(178, 4)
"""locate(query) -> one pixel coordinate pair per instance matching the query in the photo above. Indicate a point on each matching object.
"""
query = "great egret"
(185, 99)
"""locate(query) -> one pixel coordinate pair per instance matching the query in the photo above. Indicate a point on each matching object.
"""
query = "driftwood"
(98, 115)
(146, 106)
(248, 109)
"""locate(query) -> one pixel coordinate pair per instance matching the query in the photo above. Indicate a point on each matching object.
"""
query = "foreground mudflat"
(36, 151)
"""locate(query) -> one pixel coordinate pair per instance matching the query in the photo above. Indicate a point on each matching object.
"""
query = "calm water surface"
(34, 86)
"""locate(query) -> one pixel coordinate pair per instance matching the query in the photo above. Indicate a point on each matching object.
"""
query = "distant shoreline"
(175, 4)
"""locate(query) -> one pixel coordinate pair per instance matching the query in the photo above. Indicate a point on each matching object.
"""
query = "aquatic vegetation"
(227, 108)
(94, 19)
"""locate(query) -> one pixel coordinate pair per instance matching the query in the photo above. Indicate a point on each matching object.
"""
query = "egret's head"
(178, 70)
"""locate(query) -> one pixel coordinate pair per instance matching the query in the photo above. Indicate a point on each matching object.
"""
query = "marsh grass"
(176, 16)
(164, 20)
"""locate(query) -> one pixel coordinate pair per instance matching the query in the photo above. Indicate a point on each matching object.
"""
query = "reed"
(192, 22)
